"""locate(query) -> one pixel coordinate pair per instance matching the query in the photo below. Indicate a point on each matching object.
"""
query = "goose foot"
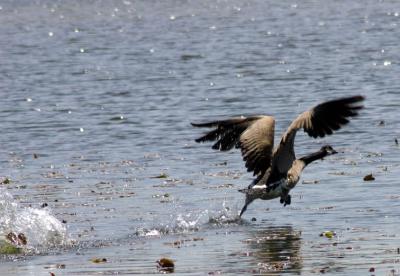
(286, 200)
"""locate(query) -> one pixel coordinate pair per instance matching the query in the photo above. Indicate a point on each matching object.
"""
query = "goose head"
(323, 152)
(328, 150)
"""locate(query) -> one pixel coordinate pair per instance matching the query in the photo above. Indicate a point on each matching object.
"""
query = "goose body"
(260, 191)
(277, 170)
(265, 189)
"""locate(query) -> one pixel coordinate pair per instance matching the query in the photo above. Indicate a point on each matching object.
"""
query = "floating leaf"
(117, 118)
(165, 265)
(98, 260)
(190, 56)
(163, 175)
(328, 234)
(369, 177)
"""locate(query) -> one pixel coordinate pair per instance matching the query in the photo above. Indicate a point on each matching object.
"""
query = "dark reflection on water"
(277, 249)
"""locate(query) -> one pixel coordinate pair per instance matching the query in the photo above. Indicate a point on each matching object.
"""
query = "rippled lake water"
(96, 142)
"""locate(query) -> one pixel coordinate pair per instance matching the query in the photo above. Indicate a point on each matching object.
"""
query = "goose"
(277, 170)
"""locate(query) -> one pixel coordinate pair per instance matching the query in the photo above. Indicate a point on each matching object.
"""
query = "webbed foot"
(288, 200)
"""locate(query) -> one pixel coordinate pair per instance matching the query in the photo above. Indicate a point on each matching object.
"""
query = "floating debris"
(339, 173)
(162, 175)
(166, 195)
(55, 266)
(179, 243)
(326, 208)
(22, 239)
(35, 156)
(15, 239)
(372, 269)
(396, 141)
(369, 177)
(324, 269)
(117, 118)
(226, 185)
(328, 234)
(221, 164)
(98, 260)
(190, 56)
(310, 182)
(53, 174)
(7, 248)
(217, 272)
(374, 154)
(165, 265)
(273, 266)
(381, 123)
(6, 181)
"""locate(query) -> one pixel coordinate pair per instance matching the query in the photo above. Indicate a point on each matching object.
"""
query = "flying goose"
(276, 169)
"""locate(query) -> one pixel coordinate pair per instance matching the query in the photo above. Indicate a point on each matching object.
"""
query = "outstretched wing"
(253, 135)
(319, 121)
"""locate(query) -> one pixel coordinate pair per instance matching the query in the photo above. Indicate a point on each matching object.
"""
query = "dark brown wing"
(253, 135)
(328, 116)
(319, 121)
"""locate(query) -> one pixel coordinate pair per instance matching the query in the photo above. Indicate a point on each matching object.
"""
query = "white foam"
(191, 222)
(39, 226)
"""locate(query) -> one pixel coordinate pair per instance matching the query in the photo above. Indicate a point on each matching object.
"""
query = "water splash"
(192, 222)
(227, 215)
(182, 223)
(41, 229)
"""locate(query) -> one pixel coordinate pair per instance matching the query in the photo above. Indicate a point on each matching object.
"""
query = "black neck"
(313, 156)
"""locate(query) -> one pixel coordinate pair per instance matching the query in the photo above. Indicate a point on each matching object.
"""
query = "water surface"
(97, 100)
